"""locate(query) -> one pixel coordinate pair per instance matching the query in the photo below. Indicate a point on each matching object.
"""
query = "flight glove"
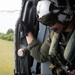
(26, 28)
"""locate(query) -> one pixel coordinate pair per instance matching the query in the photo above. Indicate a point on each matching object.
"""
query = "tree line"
(8, 36)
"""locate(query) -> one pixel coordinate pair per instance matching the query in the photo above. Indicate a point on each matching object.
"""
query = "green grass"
(6, 57)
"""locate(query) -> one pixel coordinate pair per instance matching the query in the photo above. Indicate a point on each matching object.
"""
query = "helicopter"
(24, 63)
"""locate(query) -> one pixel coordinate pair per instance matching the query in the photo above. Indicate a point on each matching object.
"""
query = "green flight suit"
(41, 51)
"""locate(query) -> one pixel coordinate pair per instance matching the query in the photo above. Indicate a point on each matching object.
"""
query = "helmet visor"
(48, 20)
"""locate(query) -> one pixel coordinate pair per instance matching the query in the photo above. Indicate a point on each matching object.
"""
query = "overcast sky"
(8, 19)
(10, 4)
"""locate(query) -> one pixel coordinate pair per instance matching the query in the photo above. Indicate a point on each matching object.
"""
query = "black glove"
(26, 28)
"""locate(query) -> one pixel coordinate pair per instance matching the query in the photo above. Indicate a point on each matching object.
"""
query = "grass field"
(6, 57)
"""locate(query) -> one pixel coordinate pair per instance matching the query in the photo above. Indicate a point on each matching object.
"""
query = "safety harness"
(65, 60)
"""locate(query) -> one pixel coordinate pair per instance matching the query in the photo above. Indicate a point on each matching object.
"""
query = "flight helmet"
(51, 11)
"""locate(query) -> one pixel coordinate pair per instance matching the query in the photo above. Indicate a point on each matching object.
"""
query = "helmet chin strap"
(65, 25)
(54, 29)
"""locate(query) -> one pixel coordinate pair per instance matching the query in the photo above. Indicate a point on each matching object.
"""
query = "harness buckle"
(52, 66)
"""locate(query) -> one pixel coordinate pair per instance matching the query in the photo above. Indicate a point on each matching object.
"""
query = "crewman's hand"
(29, 37)
(21, 52)
(26, 28)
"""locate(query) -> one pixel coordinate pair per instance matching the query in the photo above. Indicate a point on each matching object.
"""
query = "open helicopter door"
(26, 65)
(23, 63)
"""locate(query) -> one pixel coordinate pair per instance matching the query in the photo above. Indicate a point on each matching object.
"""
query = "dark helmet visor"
(48, 20)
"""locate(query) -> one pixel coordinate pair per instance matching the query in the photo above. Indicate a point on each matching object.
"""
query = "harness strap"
(69, 50)
(54, 45)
